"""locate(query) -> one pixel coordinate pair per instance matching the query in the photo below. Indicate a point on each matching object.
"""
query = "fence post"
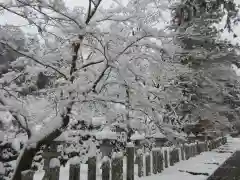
(171, 159)
(91, 168)
(206, 145)
(210, 145)
(191, 150)
(194, 149)
(198, 148)
(157, 160)
(74, 170)
(182, 151)
(177, 159)
(202, 147)
(105, 168)
(187, 148)
(166, 158)
(140, 162)
(130, 161)
(27, 175)
(54, 169)
(225, 141)
(154, 158)
(148, 164)
(160, 161)
(117, 167)
(214, 144)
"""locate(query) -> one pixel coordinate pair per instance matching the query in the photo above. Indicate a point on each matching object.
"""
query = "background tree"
(212, 80)
(11, 33)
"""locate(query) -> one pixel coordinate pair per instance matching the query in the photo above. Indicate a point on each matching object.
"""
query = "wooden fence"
(147, 163)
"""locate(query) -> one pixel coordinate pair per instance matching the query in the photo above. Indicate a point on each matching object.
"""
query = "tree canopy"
(115, 64)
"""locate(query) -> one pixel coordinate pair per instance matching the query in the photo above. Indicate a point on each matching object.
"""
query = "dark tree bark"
(25, 159)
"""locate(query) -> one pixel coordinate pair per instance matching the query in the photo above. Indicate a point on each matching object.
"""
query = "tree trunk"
(24, 161)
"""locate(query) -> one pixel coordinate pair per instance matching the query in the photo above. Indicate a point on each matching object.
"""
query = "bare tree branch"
(35, 60)
(89, 8)
(75, 47)
(70, 18)
(112, 19)
(95, 98)
(50, 17)
(99, 78)
(130, 45)
(24, 127)
(91, 14)
(91, 63)
(23, 16)
(10, 94)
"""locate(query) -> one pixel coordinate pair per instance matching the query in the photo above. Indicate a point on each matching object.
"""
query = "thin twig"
(99, 78)
(91, 63)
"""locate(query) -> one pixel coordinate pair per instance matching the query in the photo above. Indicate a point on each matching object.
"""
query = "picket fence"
(147, 163)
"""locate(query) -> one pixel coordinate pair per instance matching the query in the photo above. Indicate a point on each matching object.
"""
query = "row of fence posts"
(112, 169)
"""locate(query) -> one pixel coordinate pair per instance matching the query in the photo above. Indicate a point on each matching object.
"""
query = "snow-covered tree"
(212, 80)
(81, 64)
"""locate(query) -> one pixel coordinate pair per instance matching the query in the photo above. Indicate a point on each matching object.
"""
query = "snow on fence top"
(98, 121)
(106, 133)
(117, 155)
(75, 160)
(191, 135)
(130, 144)
(158, 135)
(54, 162)
(137, 136)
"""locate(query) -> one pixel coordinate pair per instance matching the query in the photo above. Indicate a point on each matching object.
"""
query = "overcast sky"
(10, 18)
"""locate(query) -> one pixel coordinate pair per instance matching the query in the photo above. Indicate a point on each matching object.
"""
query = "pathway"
(230, 170)
(205, 164)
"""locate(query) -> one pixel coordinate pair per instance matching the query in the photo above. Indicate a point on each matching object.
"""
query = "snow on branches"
(83, 64)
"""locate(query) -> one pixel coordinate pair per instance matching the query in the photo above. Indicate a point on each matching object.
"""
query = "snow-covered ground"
(204, 165)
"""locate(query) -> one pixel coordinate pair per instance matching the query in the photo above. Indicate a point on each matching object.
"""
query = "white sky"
(9, 18)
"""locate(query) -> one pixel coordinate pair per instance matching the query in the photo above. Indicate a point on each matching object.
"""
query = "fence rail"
(149, 163)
